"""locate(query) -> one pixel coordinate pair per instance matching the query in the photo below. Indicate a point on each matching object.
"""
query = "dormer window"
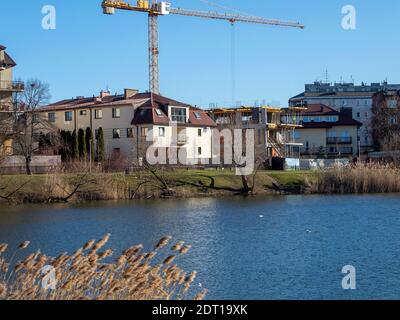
(178, 115)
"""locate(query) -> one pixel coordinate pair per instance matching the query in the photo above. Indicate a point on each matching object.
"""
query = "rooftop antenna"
(351, 79)
(326, 74)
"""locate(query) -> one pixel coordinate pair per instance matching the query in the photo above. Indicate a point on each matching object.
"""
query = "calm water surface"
(290, 247)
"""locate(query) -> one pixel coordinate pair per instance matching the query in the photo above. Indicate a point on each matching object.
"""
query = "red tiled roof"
(319, 109)
(202, 118)
(145, 103)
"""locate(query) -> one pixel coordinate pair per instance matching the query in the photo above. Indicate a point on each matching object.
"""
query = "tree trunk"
(245, 183)
(28, 161)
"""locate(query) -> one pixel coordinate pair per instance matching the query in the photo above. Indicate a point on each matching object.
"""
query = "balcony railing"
(339, 140)
(11, 86)
(178, 118)
(327, 151)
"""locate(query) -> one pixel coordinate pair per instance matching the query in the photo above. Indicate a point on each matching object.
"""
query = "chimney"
(104, 94)
(128, 93)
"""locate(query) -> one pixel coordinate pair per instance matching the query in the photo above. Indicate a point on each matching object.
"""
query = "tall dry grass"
(358, 178)
(91, 273)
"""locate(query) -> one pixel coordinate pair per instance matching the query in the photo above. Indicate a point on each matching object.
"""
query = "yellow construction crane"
(157, 8)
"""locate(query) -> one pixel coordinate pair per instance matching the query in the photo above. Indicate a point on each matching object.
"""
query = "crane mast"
(156, 8)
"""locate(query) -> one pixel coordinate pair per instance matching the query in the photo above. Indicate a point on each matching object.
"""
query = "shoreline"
(183, 184)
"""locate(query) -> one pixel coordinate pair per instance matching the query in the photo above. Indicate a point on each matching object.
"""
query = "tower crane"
(156, 8)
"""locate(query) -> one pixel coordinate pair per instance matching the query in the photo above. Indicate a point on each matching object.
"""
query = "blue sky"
(90, 51)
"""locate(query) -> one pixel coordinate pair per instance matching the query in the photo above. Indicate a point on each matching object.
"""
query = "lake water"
(289, 247)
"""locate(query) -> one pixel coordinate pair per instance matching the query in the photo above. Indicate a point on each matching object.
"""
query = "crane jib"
(161, 8)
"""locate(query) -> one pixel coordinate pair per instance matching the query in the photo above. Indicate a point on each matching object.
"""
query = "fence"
(39, 164)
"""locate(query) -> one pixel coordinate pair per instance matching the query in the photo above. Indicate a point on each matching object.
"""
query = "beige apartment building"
(7, 88)
(325, 132)
(133, 121)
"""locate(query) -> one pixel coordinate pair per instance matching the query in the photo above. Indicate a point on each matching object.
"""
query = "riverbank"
(153, 184)
(145, 185)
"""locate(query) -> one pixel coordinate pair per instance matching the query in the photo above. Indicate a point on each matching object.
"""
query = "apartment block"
(271, 136)
(324, 132)
(7, 88)
(7, 85)
(133, 121)
(359, 98)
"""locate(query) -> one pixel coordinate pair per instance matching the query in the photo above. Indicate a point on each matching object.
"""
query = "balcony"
(339, 140)
(331, 151)
(17, 86)
(178, 118)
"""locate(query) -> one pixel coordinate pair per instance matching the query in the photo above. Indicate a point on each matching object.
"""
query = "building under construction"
(273, 137)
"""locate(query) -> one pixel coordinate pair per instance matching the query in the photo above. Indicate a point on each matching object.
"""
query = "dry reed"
(91, 274)
(358, 178)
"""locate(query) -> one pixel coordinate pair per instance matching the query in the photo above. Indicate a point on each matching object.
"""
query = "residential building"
(325, 132)
(7, 88)
(386, 120)
(133, 121)
(346, 95)
(7, 85)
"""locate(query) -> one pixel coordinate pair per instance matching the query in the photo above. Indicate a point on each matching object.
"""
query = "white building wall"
(192, 138)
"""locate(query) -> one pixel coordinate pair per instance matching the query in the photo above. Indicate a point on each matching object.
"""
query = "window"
(116, 133)
(35, 118)
(199, 151)
(116, 112)
(178, 115)
(366, 114)
(159, 113)
(392, 120)
(296, 135)
(358, 114)
(197, 115)
(51, 116)
(83, 112)
(98, 114)
(161, 131)
(68, 116)
(143, 131)
(199, 132)
(129, 133)
(392, 103)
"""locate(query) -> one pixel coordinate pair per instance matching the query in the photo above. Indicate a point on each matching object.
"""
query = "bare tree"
(386, 122)
(31, 124)
(6, 133)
